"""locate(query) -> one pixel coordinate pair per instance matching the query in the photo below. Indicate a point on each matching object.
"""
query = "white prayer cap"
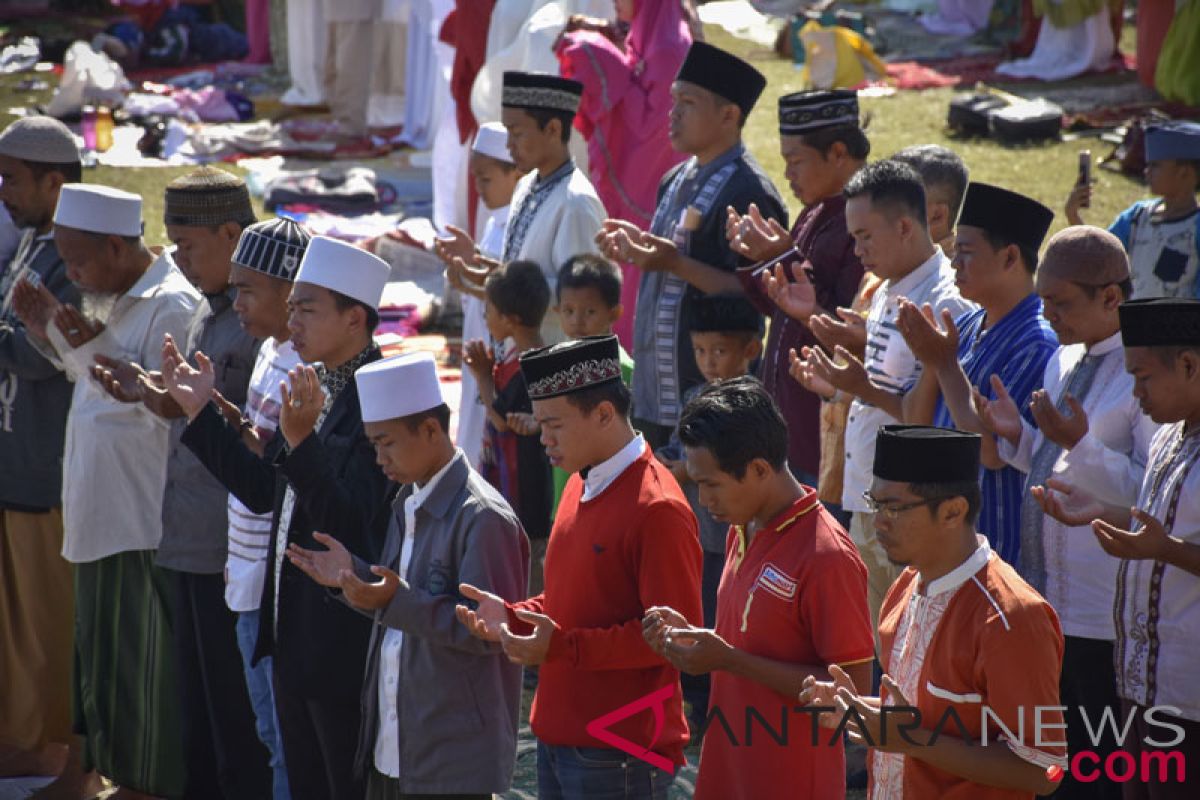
(44, 140)
(345, 269)
(492, 140)
(398, 386)
(99, 209)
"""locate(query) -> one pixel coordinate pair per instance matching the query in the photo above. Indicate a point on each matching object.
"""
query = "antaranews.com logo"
(1039, 728)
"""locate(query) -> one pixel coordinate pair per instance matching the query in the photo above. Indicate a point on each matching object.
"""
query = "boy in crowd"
(453, 731)
(945, 176)
(1161, 235)
(726, 335)
(793, 601)
(514, 461)
(822, 146)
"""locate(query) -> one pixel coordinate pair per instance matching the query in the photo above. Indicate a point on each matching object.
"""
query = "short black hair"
(590, 271)
(942, 171)
(1125, 287)
(999, 241)
(614, 391)
(344, 303)
(440, 414)
(939, 493)
(858, 146)
(542, 117)
(737, 421)
(893, 186)
(1168, 353)
(519, 289)
(71, 172)
(723, 101)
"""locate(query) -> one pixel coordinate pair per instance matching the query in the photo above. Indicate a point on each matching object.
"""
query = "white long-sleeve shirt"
(115, 461)
(1108, 462)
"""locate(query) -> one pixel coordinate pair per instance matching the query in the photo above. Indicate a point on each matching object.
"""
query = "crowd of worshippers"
(901, 453)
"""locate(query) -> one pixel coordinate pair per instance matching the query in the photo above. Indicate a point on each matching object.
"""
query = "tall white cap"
(492, 140)
(99, 209)
(398, 386)
(344, 268)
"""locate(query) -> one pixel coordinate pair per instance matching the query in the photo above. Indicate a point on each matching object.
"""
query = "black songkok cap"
(1013, 216)
(802, 112)
(1160, 322)
(540, 90)
(725, 313)
(723, 74)
(571, 366)
(924, 454)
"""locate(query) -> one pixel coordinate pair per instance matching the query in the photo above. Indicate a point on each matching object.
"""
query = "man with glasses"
(960, 632)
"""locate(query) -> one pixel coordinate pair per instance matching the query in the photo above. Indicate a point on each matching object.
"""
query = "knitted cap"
(208, 196)
(43, 140)
(273, 247)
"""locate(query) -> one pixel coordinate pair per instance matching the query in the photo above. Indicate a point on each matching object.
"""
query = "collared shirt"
(796, 593)
(598, 478)
(387, 740)
(526, 208)
(1016, 347)
(250, 533)
(1107, 462)
(977, 637)
(116, 453)
(891, 364)
(1157, 605)
(195, 504)
(691, 212)
(1164, 256)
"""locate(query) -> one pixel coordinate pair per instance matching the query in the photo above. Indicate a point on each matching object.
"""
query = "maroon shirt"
(821, 239)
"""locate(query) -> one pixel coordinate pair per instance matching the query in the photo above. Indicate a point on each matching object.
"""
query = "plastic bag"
(90, 78)
(838, 58)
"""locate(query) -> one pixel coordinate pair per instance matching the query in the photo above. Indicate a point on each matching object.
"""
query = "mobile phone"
(1085, 172)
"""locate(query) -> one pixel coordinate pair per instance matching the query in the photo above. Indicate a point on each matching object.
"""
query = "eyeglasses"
(890, 510)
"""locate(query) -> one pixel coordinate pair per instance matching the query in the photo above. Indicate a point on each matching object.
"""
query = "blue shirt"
(1017, 349)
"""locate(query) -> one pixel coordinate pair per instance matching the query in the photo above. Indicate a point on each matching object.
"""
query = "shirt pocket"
(956, 698)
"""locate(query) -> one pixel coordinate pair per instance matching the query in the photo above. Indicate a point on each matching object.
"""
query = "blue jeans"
(262, 700)
(597, 773)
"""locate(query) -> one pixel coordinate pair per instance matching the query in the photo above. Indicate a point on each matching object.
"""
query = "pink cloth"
(624, 116)
(258, 31)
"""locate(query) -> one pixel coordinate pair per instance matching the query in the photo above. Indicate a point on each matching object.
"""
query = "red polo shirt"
(797, 593)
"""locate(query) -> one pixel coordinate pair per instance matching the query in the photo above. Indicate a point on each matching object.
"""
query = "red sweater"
(608, 560)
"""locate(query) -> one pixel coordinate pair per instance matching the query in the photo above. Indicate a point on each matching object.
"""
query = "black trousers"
(1089, 682)
(222, 752)
(1160, 783)
(320, 737)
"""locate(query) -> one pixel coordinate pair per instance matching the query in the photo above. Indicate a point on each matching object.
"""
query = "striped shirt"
(250, 533)
(1017, 349)
(891, 364)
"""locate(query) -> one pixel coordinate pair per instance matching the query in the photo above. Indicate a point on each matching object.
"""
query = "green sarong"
(126, 705)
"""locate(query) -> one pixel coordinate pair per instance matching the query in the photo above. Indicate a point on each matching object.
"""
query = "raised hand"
(846, 373)
(657, 623)
(77, 329)
(848, 330)
(754, 236)
(530, 650)
(323, 566)
(371, 595)
(789, 288)
(458, 244)
(480, 359)
(823, 694)
(1151, 541)
(1000, 417)
(300, 405)
(803, 372)
(34, 305)
(1067, 504)
(1080, 197)
(155, 396)
(120, 379)
(1064, 431)
(873, 728)
(934, 346)
(523, 424)
(189, 387)
(483, 621)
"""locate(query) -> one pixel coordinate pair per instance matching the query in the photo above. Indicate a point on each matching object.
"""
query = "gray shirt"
(194, 516)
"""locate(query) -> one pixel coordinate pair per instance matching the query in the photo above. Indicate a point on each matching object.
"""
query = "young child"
(1161, 235)
(514, 461)
(726, 333)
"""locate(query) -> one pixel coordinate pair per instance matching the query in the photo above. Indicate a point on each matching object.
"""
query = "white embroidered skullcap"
(345, 269)
(398, 386)
(492, 140)
(41, 139)
(99, 209)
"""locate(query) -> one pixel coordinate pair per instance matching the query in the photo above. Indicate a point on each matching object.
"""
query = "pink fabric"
(624, 116)
(258, 31)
